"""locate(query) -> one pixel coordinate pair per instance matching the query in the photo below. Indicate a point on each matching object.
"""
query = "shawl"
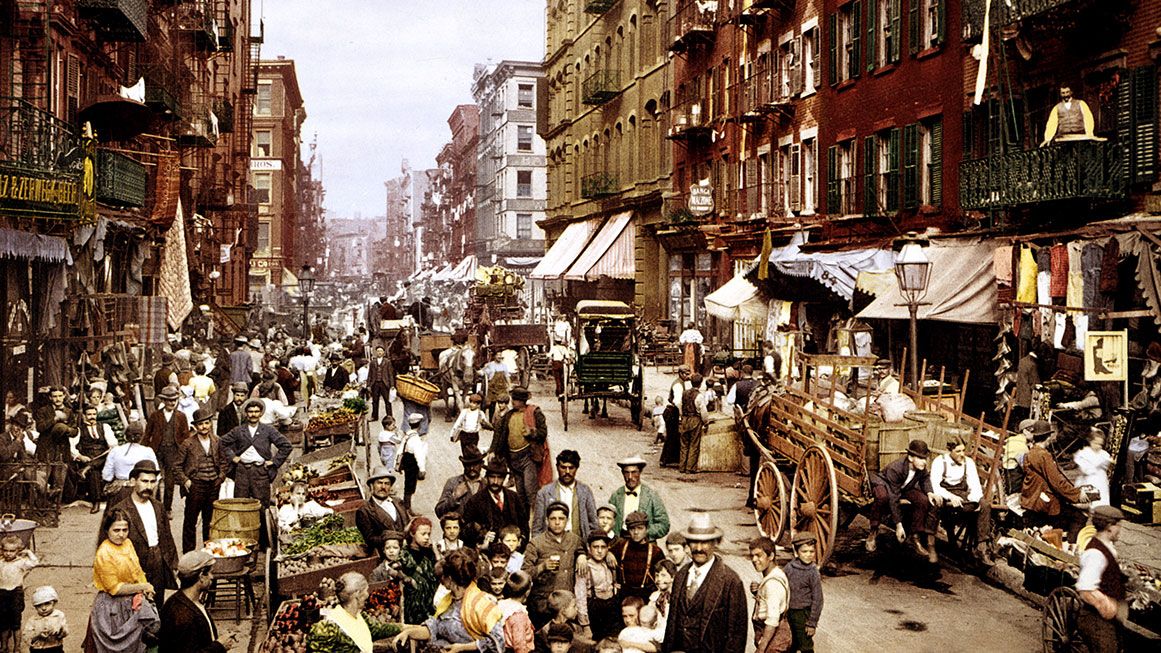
(479, 612)
(354, 627)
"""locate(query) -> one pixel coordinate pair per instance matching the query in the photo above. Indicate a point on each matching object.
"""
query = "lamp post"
(913, 271)
(306, 287)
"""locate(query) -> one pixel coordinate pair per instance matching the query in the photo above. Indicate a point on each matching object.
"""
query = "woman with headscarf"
(124, 618)
(345, 628)
(467, 619)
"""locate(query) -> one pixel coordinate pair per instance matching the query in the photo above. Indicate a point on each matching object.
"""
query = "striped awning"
(611, 253)
(564, 251)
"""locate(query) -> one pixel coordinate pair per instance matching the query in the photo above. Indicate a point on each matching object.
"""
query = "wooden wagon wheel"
(1058, 627)
(771, 501)
(814, 500)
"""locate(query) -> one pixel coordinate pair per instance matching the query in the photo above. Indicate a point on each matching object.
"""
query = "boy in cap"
(596, 588)
(186, 625)
(606, 520)
(45, 631)
(805, 605)
(771, 594)
(413, 461)
(551, 557)
(637, 555)
(906, 478)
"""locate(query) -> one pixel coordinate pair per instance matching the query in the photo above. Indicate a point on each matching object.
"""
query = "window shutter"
(935, 175)
(832, 61)
(892, 180)
(833, 194)
(913, 26)
(856, 36)
(896, 28)
(969, 136)
(911, 166)
(753, 190)
(872, 36)
(870, 168)
(1144, 125)
(796, 177)
(797, 68)
(816, 57)
(937, 6)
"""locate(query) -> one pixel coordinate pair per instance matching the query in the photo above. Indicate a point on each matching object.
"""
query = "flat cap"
(193, 562)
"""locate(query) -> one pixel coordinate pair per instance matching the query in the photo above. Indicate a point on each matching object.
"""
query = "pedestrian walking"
(521, 440)
(380, 381)
(469, 423)
(1102, 585)
(694, 417)
(412, 459)
(671, 450)
(201, 469)
(805, 605)
(709, 611)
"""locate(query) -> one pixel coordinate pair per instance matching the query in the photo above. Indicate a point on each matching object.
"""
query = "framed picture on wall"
(1106, 355)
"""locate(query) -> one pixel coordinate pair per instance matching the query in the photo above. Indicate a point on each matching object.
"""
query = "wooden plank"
(1040, 546)
(800, 416)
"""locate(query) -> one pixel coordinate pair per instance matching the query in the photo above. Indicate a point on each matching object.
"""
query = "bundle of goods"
(333, 419)
(327, 531)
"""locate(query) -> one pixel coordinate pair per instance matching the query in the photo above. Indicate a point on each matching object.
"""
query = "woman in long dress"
(124, 617)
(1094, 463)
(345, 628)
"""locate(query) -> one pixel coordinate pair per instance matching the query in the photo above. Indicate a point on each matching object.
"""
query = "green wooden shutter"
(856, 35)
(870, 170)
(872, 36)
(940, 8)
(832, 64)
(1125, 125)
(969, 136)
(1144, 125)
(913, 26)
(833, 192)
(911, 166)
(896, 10)
(935, 176)
(892, 171)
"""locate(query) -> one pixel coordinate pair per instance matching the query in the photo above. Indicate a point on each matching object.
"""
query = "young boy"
(15, 563)
(606, 519)
(596, 589)
(805, 593)
(390, 568)
(389, 439)
(468, 425)
(510, 537)
(450, 525)
(519, 635)
(771, 594)
(636, 556)
(676, 550)
(643, 637)
(659, 419)
(413, 461)
(562, 605)
(497, 554)
(45, 631)
(559, 638)
(551, 559)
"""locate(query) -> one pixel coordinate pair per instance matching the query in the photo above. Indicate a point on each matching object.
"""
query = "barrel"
(887, 441)
(236, 518)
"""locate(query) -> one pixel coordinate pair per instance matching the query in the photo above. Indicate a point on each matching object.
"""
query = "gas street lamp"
(306, 287)
(913, 271)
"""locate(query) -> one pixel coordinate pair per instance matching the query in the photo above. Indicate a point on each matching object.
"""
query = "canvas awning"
(611, 253)
(564, 251)
(465, 270)
(838, 271)
(962, 287)
(737, 299)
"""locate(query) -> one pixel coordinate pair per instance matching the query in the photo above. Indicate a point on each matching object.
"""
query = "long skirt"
(117, 626)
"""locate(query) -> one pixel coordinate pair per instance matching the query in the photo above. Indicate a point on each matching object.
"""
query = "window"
(845, 39)
(790, 165)
(263, 182)
(923, 164)
(809, 172)
(523, 183)
(811, 68)
(790, 68)
(840, 178)
(881, 173)
(263, 101)
(523, 226)
(262, 144)
(926, 24)
(884, 19)
(524, 95)
(524, 138)
(263, 236)
(765, 174)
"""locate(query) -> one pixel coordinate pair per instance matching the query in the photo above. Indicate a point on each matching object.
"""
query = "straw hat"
(700, 528)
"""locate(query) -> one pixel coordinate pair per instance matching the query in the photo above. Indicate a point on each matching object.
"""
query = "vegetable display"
(291, 626)
(229, 547)
(344, 460)
(356, 404)
(298, 472)
(329, 419)
(328, 530)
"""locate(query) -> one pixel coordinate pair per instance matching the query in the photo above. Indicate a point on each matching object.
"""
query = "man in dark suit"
(257, 451)
(232, 415)
(380, 380)
(201, 468)
(906, 478)
(57, 425)
(708, 613)
(186, 625)
(582, 507)
(381, 512)
(493, 508)
(461, 487)
(152, 539)
(337, 377)
(165, 375)
(165, 430)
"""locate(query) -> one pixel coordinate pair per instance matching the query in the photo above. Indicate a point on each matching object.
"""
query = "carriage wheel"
(771, 500)
(814, 500)
(1058, 622)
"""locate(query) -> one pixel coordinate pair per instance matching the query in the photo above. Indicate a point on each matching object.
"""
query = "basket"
(415, 389)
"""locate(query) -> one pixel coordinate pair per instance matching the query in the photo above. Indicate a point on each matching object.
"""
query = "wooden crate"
(721, 448)
(300, 584)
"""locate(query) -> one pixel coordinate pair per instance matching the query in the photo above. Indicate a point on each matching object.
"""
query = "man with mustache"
(149, 529)
(257, 451)
(493, 508)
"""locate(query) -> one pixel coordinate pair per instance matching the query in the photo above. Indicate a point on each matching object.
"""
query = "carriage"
(831, 451)
(608, 365)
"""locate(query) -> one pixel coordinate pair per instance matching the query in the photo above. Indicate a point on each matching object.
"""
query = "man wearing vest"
(520, 440)
(165, 430)
(1101, 584)
(582, 508)
(1070, 120)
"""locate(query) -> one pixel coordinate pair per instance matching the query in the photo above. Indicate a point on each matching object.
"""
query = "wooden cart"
(609, 367)
(832, 452)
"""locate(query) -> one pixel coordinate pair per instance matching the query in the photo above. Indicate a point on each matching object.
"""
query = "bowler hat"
(473, 457)
(169, 392)
(380, 471)
(203, 414)
(239, 387)
(496, 467)
(700, 528)
(144, 467)
(918, 448)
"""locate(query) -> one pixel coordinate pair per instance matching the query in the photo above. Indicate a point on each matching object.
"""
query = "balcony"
(688, 125)
(601, 86)
(117, 20)
(1081, 170)
(224, 110)
(598, 7)
(197, 17)
(598, 185)
(200, 129)
(161, 89)
(121, 180)
(32, 139)
(225, 38)
(1011, 11)
(692, 25)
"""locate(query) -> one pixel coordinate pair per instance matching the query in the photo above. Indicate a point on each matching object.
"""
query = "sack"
(226, 491)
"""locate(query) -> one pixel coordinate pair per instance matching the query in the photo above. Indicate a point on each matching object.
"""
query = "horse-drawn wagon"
(607, 364)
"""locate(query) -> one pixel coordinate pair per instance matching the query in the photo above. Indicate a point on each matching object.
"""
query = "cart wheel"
(814, 500)
(771, 500)
(1058, 622)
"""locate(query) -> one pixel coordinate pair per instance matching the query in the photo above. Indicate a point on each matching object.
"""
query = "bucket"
(22, 528)
(887, 441)
(239, 518)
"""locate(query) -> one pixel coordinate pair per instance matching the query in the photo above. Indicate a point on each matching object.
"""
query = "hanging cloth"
(1002, 265)
(1090, 262)
(1058, 270)
(1043, 275)
(1109, 267)
(1027, 290)
(1075, 275)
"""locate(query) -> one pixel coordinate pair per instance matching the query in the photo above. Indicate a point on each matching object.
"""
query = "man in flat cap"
(165, 430)
(550, 559)
(149, 529)
(1102, 585)
(381, 513)
(519, 439)
(256, 450)
(186, 625)
(709, 612)
(1047, 495)
(201, 468)
(906, 478)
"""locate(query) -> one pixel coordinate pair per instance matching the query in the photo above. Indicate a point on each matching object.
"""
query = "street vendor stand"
(333, 420)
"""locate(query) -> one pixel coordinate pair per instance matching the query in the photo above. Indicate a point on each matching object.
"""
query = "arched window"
(632, 149)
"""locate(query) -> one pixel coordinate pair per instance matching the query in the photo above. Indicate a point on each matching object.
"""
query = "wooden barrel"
(887, 441)
(236, 518)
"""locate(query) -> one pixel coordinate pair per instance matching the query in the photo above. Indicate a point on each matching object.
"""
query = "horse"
(456, 376)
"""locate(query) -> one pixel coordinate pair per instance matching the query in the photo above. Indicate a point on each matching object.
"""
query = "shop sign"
(265, 164)
(701, 199)
(1106, 356)
(41, 192)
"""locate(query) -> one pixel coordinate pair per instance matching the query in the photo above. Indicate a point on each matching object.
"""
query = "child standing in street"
(468, 425)
(805, 593)
(771, 596)
(412, 460)
(389, 439)
(450, 525)
(46, 630)
(659, 419)
(15, 563)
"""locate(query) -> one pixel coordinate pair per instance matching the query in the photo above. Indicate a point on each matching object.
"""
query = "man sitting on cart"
(1047, 496)
(906, 479)
(956, 484)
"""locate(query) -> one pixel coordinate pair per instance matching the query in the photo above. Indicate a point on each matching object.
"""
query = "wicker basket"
(413, 388)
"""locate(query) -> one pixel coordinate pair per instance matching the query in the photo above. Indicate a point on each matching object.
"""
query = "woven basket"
(413, 388)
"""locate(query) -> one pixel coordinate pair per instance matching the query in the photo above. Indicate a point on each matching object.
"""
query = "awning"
(465, 270)
(290, 283)
(737, 299)
(962, 288)
(564, 251)
(442, 273)
(34, 247)
(522, 261)
(838, 271)
(611, 253)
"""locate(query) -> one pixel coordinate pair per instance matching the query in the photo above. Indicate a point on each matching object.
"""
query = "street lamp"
(306, 287)
(912, 271)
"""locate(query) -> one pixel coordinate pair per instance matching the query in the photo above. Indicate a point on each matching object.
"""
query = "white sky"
(380, 77)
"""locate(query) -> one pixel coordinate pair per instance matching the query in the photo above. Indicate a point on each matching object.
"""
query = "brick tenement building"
(464, 123)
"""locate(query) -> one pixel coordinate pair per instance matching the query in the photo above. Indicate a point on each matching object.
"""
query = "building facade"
(511, 178)
(460, 158)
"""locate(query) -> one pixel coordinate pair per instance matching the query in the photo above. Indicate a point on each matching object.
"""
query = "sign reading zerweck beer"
(51, 194)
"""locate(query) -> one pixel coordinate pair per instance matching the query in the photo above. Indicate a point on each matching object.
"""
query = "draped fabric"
(962, 288)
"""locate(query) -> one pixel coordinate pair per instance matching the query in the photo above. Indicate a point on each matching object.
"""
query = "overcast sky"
(380, 78)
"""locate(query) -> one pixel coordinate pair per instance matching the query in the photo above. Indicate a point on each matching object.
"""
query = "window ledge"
(884, 69)
(930, 52)
(845, 84)
(805, 94)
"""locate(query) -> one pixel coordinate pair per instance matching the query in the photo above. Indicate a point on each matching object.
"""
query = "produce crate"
(336, 476)
(308, 582)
